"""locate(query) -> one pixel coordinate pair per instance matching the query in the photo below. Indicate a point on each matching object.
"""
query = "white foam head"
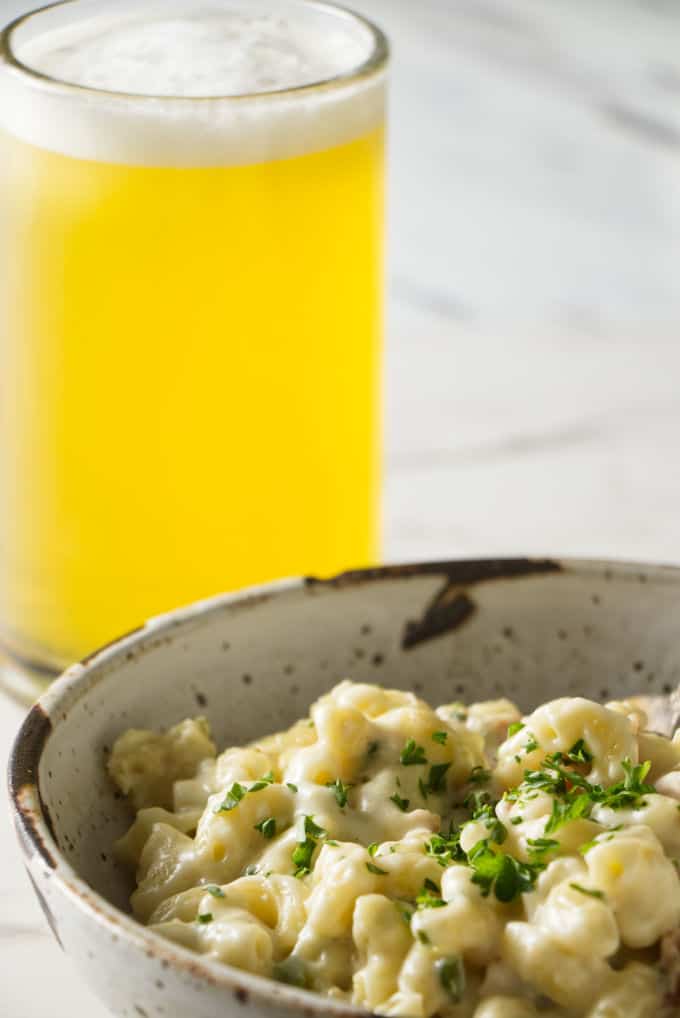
(163, 82)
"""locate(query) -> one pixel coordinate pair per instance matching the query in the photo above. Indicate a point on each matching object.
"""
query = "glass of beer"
(191, 231)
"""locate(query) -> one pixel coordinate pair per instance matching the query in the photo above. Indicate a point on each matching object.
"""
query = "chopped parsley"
(373, 848)
(514, 728)
(267, 779)
(405, 912)
(238, 791)
(293, 788)
(233, 798)
(440, 737)
(479, 776)
(423, 938)
(372, 868)
(412, 754)
(531, 745)
(628, 794)
(574, 795)
(503, 873)
(563, 811)
(590, 891)
(474, 801)
(216, 891)
(291, 971)
(540, 847)
(340, 791)
(452, 977)
(485, 811)
(204, 917)
(586, 847)
(435, 779)
(402, 804)
(267, 827)
(579, 753)
(430, 896)
(445, 849)
(308, 836)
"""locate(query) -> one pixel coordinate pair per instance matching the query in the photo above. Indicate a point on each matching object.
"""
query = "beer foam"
(162, 82)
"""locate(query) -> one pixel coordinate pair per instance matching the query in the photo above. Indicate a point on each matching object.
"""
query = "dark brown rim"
(375, 63)
(35, 826)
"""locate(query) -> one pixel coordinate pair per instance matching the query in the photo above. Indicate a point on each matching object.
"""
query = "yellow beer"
(190, 359)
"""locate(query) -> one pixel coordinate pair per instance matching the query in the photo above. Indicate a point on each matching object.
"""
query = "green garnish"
(238, 791)
(514, 728)
(629, 792)
(430, 896)
(485, 811)
(452, 977)
(204, 917)
(373, 848)
(293, 788)
(479, 776)
(474, 801)
(504, 874)
(412, 754)
(531, 745)
(574, 795)
(216, 891)
(576, 808)
(579, 753)
(591, 892)
(233, 798)
(267, 779)
(539, 848)
(423, 937)
(445, 849)
(402, 804)
(267, 827)
(308, 835)
(372, 868)
(291, 971)
(340, 791)
(405, 913)
(440, 737)
(435, 779)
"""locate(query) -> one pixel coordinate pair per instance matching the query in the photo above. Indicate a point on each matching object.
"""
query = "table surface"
(532, 358)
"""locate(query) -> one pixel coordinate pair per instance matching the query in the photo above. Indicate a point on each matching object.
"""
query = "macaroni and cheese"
(464, 862)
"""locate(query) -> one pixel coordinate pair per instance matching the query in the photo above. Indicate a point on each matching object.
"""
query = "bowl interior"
(458, 631)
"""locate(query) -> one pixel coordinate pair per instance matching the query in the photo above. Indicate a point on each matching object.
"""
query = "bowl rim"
(32, 821)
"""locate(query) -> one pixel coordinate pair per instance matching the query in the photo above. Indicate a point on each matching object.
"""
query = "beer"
(190, 310)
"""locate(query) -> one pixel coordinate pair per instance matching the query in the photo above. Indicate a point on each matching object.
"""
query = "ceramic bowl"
(253, 662)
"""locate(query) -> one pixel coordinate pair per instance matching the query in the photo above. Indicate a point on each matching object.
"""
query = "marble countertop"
(533, 363)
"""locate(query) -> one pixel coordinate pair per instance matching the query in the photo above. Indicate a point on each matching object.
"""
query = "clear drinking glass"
(190, 311)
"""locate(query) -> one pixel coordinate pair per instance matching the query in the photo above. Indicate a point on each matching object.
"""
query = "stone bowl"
(252, 662)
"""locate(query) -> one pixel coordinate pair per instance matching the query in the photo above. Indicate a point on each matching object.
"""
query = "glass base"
(23, 680)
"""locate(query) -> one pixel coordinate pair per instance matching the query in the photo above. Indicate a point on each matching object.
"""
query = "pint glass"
(191, 220)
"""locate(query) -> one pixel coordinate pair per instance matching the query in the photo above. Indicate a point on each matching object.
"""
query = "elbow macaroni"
(463, 862)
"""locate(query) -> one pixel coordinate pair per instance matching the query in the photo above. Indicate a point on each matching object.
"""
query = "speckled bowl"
(252, 662)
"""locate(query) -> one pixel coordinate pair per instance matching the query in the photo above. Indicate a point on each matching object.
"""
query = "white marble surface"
(533, 360)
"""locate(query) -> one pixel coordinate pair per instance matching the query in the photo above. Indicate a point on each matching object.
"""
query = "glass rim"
(375, 62)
